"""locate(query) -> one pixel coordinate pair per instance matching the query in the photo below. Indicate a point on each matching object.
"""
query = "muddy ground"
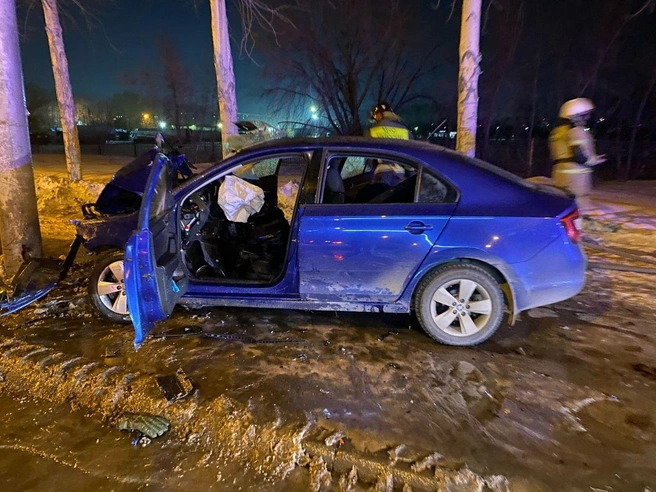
(287, 400)
(562, 401)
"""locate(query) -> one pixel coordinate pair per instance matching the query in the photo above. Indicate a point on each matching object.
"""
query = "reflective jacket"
(572, 148)
(390, 127)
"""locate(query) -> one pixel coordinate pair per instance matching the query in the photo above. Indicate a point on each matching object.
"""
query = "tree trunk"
(470, 58)
(19, 221)
(225, 75)
(63, 89)
(534, 103)
(636, 126)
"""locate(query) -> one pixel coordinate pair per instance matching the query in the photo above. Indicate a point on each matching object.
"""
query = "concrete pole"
(20, 234)
(63, 88)
(470, 57)
(225, 75)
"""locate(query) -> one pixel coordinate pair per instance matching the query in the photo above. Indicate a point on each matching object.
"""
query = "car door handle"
(417, 227)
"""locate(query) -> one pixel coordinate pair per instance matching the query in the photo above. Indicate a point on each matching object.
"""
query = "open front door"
(154, 281)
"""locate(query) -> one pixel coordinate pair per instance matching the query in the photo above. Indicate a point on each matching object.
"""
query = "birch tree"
(19, 222)
(225, 74)
(63, 89)
(252, 13)
(470, 58)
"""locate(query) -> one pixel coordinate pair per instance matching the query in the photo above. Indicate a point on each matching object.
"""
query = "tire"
(460, 324)
(108, 274)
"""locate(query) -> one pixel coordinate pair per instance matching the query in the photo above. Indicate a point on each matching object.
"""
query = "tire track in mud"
(222, 426)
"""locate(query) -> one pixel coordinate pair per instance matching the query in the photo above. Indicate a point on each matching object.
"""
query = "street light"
(146, 117)
(162, 124)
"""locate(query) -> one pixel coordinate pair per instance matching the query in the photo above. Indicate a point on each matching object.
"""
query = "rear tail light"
(572, 224)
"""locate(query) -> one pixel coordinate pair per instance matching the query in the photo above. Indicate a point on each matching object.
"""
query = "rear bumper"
(555, 274)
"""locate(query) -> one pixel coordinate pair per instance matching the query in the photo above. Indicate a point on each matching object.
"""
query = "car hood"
(133, 176)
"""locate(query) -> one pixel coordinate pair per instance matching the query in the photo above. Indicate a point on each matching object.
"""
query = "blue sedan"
(354, 224)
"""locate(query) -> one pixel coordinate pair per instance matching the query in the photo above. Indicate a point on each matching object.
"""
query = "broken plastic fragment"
(151, 426)
(176, 386)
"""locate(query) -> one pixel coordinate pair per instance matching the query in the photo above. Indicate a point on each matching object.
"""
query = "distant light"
(416, 128)
(146, 116)
(315, 117)
(313, 109)
(162, 124)
(220, 125)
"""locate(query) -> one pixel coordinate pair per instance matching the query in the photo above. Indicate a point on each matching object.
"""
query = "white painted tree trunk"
(470, 57)
(63, 88)
(225, 75)
(19, 221)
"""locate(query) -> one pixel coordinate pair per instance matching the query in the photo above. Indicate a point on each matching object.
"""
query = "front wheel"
(460, 304)
(106, 287)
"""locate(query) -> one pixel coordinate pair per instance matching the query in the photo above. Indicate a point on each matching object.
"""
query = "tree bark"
(19, 221)
(63, 88)
(225, 75)
(534, 103)
(470, 58)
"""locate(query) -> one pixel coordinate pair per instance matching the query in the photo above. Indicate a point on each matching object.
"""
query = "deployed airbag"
(239, 199)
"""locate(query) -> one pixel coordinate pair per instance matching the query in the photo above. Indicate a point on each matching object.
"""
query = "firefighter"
(387, 124)
(572, 148)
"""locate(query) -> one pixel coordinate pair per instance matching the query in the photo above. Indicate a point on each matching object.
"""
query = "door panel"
(153, 276)
(365, 253)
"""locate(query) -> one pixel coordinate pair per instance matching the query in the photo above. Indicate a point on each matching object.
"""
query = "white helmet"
(576, 107)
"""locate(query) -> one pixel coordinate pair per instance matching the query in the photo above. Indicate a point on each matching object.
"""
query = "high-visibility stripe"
(389, 132)
(573, 171)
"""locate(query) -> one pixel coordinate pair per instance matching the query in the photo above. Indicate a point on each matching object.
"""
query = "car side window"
(433, 189)
(361, 179)
(158, 204)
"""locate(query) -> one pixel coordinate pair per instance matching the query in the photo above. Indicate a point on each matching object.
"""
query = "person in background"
(572, 148)
(387, 124)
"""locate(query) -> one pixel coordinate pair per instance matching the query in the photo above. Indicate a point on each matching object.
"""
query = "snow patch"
(57, 195)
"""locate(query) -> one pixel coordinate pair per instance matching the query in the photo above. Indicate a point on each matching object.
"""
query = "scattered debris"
(428, 462)
(336, 438)
(385, 335)
(403, 454)
(176, 386)
(151, 426)
(179, 332)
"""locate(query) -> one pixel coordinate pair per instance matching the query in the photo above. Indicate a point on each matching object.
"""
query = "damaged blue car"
(352, 224)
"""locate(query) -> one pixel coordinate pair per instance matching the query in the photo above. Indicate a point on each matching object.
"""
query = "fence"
(195, 152)
(512, 155)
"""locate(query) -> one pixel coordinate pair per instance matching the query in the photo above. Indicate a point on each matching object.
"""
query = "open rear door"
(154, 280)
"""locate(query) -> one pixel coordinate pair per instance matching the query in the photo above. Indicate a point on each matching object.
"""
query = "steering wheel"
(195, 213)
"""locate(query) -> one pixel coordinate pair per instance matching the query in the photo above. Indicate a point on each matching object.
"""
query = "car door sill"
(305, 305)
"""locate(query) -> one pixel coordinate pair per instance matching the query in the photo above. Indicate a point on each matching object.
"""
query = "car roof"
(340, 141)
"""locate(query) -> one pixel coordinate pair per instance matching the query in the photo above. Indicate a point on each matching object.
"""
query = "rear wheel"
(460, 304)
(106, 287)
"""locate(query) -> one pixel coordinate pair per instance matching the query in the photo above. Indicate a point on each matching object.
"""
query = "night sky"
(132, 28)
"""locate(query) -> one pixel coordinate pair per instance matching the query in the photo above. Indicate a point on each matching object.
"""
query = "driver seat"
(334, 185)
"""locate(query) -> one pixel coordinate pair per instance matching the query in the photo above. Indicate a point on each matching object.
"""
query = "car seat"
(334, 185)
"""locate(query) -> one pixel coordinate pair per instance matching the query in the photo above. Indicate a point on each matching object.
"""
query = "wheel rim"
(111, 288)
(461, 307)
